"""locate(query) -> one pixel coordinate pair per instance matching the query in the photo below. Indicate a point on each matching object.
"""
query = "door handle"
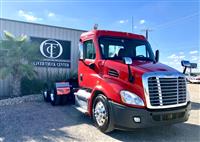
(81, 77)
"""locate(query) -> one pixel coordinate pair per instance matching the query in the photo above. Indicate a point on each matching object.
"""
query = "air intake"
(113, 73)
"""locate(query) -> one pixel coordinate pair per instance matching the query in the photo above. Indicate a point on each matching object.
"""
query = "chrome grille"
(166, 91)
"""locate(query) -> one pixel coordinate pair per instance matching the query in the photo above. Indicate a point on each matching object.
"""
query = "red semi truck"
(122, 85)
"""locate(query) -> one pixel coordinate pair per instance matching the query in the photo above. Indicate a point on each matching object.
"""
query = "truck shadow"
(195, 106)
(178, 132)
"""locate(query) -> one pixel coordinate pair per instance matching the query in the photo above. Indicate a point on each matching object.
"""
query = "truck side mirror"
(157, 56)
(185, 63)
(127, 60)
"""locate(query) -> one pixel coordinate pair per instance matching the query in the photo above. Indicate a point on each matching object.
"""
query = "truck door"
(86, 74)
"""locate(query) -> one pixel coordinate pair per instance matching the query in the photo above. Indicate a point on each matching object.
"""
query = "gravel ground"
(34, 120)
(19, 100)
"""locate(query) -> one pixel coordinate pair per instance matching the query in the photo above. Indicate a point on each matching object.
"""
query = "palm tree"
(16, 57)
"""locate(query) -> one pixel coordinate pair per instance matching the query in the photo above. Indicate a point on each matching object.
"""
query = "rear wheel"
(100, 113)
(46, 95)
(55, 99)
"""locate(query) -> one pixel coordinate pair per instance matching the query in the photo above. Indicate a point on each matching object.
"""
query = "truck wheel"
(46, 95)
(54, 98)
(100, 113)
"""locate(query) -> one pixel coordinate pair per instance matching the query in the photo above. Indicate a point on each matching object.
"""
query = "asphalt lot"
(39, 121)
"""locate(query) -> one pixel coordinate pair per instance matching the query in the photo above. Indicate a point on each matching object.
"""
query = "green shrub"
(33, 86)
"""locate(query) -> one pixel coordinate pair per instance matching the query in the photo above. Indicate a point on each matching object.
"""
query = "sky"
(173, 24)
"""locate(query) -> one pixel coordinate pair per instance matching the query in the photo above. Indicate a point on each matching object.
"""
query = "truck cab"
(122, 84)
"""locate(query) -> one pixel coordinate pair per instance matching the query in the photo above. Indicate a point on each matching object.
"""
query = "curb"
(19, 100)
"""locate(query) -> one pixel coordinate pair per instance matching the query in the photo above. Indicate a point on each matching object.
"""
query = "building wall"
(42, 31)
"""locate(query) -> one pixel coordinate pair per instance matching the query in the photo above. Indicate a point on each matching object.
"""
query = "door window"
(80, 50)
(89, 50)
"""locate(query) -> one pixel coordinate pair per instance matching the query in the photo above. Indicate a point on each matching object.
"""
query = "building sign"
(51, 49)
(56, 64)
(55, 53)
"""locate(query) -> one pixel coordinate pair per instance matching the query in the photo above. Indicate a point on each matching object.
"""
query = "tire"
(54, 98)
(46, 95)
(101, 115)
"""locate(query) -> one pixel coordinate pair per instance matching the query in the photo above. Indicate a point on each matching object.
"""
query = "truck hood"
(138, 66)
(147, 66)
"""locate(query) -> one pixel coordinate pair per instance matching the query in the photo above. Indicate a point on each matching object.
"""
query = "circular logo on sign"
(51, 49)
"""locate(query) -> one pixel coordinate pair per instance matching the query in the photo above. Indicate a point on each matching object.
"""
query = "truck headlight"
(131, 98)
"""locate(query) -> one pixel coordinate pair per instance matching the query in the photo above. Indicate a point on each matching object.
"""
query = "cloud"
(174, 56)
(194, 58)
(142, 21)
(51, 14)
(174, 60)
(171, 63)
(123, 21)
(28, 16)
(193, 52)
(181, 57)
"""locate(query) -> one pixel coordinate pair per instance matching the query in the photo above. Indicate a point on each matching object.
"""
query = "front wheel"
(100, 113)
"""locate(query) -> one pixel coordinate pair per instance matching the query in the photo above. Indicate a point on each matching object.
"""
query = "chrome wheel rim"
(45, 94)
(100, 113)
(52, 96)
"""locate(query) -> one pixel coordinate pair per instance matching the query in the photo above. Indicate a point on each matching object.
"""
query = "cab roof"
(98, 33)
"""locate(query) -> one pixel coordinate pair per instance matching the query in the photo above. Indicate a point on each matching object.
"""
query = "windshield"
(117, 48)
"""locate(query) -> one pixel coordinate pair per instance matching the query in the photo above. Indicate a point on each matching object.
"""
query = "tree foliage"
(16, 57)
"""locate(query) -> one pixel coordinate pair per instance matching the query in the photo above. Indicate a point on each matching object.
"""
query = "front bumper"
(122, 117)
